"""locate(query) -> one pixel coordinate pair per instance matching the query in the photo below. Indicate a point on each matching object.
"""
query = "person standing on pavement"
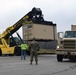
(23, 50)
(34, 47)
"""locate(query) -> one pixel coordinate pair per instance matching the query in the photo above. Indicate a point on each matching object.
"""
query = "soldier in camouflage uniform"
(34, 47)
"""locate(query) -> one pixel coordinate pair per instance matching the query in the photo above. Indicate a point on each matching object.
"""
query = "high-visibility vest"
(24, 46)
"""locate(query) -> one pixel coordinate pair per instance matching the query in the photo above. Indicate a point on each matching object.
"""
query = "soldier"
(34, 47)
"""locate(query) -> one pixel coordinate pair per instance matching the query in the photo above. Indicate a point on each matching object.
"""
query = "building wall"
(73, 27)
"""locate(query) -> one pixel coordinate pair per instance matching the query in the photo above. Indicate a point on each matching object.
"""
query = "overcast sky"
(61, 12)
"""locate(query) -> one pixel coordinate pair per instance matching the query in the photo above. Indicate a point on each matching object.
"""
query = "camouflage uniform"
(34, 47)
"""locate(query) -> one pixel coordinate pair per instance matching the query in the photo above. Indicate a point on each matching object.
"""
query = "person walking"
(34, 47)
(23, 50)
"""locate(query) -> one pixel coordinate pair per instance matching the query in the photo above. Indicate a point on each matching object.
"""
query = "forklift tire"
(17, 51)
(11, 54)
(0, 52)
(59, 58)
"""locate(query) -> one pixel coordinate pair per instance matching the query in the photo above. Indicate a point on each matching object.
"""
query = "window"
(70, 34)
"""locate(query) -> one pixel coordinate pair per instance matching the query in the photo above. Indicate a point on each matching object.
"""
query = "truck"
(67, 47)
(10, 45)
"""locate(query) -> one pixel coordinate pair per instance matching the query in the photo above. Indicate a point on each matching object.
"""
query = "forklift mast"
(34, 15)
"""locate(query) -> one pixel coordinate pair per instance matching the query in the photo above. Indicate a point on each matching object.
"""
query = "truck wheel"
(59, 58)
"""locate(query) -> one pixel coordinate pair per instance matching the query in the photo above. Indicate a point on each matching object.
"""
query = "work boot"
(24, 59)
(30, 63)
(36, 63)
